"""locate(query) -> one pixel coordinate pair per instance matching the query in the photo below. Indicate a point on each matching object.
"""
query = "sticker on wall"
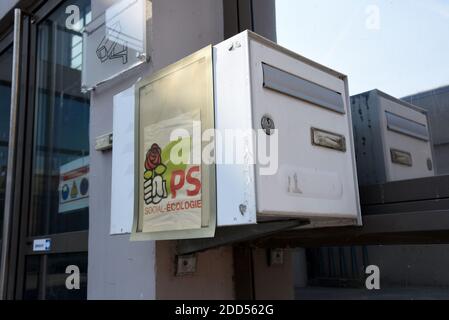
(172, 180)
(41, 245)
(74, 186)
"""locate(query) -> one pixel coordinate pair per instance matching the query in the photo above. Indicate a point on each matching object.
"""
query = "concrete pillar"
(212, 280)
(273, 282)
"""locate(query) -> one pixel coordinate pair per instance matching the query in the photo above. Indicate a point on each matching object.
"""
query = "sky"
(398, 46)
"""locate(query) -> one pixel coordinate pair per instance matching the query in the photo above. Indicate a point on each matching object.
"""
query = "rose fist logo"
(171, 197)
(153, 157)
(155, 186)
(169, 186)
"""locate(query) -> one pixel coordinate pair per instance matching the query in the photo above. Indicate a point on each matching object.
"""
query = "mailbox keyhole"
(268, 125)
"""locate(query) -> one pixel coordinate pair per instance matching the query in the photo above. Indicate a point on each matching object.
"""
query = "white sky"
(398, 46)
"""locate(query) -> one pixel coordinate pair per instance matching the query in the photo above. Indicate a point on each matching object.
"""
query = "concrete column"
(118, 268)
(275, 282)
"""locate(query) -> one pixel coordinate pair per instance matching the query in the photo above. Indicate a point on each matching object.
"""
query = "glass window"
(55, 285)
(77, 40)
(32, 278)
(340, 272)
(45, 277)
(60, 177)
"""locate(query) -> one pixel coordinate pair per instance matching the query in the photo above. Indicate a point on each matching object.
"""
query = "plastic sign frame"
(117, 41)
(161, 103)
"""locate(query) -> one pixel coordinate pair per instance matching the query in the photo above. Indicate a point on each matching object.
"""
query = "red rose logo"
(153, 157)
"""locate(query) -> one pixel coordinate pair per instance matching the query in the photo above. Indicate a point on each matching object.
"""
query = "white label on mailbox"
(42, 245)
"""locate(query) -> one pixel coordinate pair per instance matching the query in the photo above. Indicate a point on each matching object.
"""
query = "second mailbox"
(392, 139)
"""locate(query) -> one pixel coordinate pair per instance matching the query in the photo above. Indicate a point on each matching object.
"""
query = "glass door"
(53, 235)
(5, 113)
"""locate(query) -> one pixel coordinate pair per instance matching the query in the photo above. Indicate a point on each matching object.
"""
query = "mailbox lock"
(268, 125)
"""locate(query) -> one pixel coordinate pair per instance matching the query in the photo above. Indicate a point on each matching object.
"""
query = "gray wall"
(436, 102)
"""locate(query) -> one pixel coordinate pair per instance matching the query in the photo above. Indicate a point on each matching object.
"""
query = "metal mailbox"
(392, 139)
(276, 126)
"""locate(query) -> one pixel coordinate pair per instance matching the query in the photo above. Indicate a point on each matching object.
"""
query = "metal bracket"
(231, 235)
(104, 142)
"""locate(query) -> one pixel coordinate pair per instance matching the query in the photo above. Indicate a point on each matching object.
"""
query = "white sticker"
(74, 186)
(122, 190)
(41, 245)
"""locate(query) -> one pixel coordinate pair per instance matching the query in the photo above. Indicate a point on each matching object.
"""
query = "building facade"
(48, 129)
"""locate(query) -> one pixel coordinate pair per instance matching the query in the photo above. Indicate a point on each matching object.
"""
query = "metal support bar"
(9, 194)
(430, 188)
(255, 15)
(230, 235)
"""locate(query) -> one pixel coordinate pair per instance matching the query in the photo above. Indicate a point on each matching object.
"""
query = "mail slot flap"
(408, 127)
(294, 86)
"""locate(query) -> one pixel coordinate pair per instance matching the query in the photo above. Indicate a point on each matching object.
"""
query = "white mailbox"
(392, 139)
(258, 81)
(282, 142)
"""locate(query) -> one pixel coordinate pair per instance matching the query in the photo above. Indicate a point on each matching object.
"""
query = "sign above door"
(116, 41)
